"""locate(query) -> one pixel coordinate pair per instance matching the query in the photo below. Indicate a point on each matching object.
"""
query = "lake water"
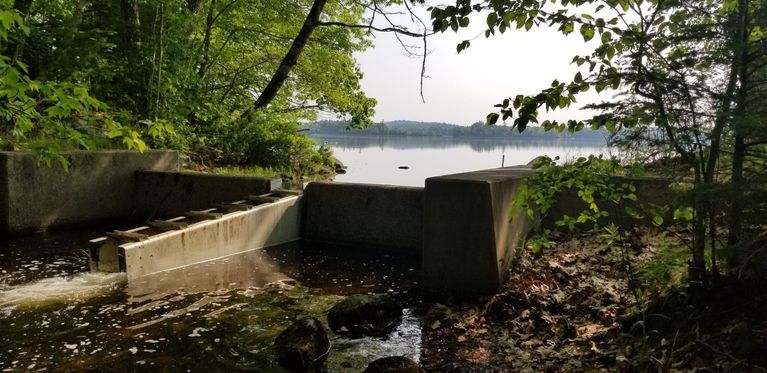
(377, 159)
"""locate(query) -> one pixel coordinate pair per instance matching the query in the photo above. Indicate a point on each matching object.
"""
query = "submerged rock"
(365, 314)
(303, 346)
(393, 364)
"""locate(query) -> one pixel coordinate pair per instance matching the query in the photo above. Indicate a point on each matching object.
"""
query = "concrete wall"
(653, 192)
(470, 240)
(98, 186)
(364, 215)
(170, 194)
(265, 225)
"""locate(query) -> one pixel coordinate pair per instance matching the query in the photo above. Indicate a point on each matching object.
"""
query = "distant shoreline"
(405, 129)
(537, 138)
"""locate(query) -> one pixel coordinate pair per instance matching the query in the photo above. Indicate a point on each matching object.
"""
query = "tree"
(200, 75)
(46, 116)
(679, 69)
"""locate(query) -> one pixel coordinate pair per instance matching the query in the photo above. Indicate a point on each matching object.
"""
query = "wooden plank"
(98, 241)
(291, 192)
(235, 206)
(262, 199)
(208, 215)
(138, 229)
(133, 236)
(176, 219)
(166, 225)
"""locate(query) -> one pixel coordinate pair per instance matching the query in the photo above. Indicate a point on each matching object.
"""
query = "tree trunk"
(739, 149)
(203, 68)
(194, 6)
(291, 58)
(738, 156)
(131, 24)
(23, 7)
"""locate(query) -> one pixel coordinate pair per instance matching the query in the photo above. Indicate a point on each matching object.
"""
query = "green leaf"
(462, 45)
(492, 118)
(492, 18)
(756, 34)
(684, 213)
(606, 37)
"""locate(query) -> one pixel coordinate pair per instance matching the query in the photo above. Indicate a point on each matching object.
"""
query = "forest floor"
(572, 309)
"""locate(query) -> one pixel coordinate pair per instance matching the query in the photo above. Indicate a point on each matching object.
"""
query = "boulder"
(338, 165)
(365, 314)
(303, 346)
(538, 161)
(393, 364)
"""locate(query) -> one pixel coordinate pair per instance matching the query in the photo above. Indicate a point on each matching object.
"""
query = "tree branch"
(291, 57)
(379, 29)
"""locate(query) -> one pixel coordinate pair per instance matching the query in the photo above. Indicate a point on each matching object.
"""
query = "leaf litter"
(557, 312)
(571, 309)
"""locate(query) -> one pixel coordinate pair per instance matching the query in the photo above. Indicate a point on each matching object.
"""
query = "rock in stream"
(303, 346)
(393, 364)
(364, 314)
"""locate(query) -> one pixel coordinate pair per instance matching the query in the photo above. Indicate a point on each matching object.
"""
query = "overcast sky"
(462, 88)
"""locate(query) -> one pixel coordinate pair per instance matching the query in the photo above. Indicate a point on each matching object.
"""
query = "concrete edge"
(387, 186)
(5, 212)
(205, 223)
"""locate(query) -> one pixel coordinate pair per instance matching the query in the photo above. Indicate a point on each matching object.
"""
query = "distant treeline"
(400, 128)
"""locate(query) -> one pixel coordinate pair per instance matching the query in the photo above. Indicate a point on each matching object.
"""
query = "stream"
(221, 315)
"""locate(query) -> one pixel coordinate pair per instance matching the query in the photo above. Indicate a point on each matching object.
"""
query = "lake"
(377, 160)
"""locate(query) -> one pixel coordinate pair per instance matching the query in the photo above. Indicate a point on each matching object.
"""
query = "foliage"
(248, 170)
(688, 84)
(182, 74)
(595, 181)
(47, 116)
(665, 267)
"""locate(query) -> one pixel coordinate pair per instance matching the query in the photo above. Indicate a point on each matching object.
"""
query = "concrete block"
(364, 215)
(99, 186)
(470, 238)
(265, 225)
(169, 194)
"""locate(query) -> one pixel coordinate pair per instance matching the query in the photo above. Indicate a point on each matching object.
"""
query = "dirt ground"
(571, 309)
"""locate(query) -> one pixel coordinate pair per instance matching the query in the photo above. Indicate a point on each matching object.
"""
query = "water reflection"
(475, 144)
(252, 269)
(377, 159)
(218, 315)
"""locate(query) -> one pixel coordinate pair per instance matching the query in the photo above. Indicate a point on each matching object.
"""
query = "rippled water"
(378, 159)
(215, 316)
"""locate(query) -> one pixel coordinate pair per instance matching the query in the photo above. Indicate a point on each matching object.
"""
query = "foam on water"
(60, 289)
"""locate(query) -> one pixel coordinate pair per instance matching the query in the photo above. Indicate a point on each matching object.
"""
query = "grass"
(250, 171)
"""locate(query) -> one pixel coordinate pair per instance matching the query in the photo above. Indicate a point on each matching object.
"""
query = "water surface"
(221, 315)
(377, 159)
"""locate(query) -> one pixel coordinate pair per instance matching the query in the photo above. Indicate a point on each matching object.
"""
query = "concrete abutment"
(470, 238)
(460, 225)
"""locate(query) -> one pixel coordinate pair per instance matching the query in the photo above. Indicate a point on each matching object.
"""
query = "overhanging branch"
(379, 29)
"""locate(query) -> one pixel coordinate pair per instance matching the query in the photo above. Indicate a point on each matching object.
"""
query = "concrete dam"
(458, 224)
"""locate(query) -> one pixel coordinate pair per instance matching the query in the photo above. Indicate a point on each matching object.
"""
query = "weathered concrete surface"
(265, 225)
(652, 192)
(169, 194)
(98, 186)
(470, 239)
(364, 215)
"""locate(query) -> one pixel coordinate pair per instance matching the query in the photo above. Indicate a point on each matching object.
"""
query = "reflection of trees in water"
(479, 145)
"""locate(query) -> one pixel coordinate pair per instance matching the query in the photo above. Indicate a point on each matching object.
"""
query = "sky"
(462, 88)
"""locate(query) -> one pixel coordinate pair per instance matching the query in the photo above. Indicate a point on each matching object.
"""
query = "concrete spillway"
(252, 223)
